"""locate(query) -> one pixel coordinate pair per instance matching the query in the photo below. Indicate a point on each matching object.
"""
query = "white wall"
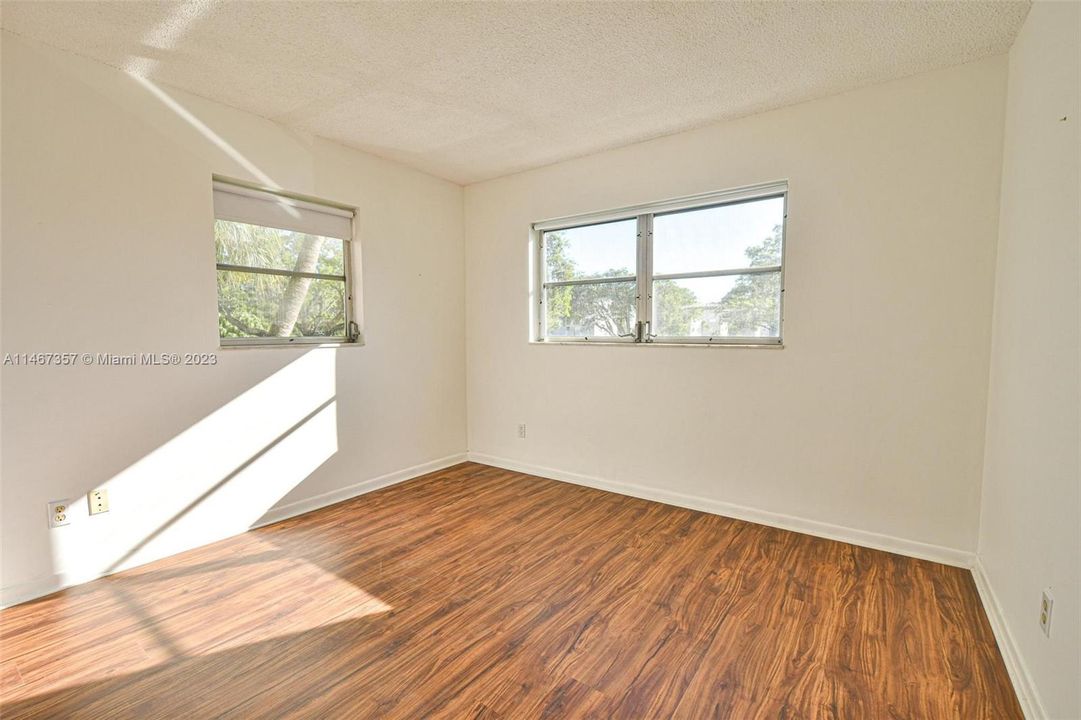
(1030, 533)
(107, 247)
(872, 417)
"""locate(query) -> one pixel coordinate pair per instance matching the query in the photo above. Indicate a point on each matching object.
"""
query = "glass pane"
(606, 250)
(746, 234)
(258, 305)
(264, 247)
(726, 306)
(594, 310)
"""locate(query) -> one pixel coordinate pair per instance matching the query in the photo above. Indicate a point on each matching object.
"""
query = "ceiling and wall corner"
(473, 91)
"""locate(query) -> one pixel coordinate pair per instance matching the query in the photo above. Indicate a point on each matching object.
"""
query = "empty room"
(519, 360)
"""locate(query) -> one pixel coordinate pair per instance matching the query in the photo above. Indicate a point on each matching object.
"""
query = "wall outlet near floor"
(521, 431)
(59, 513)
(98, 500)
(1047, 604)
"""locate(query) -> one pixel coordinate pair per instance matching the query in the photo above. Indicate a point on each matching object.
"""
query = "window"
(707, 269)
(283, 268)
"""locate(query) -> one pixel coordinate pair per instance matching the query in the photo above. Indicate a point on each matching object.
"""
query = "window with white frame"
(705, 269)
(284, 265)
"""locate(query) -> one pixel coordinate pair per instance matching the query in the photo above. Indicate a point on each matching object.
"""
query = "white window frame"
(644, 271)
(294, 203)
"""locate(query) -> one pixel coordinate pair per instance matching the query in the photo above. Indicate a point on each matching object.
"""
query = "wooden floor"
(480, 593)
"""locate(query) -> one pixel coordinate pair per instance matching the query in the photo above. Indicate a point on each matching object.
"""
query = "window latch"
(641, 332)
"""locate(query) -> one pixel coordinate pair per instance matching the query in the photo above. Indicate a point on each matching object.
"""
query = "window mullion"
(226, 267)
(539, 276)
(645, 273)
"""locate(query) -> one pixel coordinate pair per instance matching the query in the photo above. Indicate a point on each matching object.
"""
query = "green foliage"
(559, 267)
(748, 309)
(768, 252)
(604, 308)
(261, 305)
(675, 309)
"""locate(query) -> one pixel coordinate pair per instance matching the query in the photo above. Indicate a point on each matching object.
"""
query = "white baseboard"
(1023, 686)
(865, 538)
(31, 589)
(283, 512)
(47, 584)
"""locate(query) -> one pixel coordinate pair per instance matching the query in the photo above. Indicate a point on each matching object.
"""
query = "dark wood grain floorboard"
(481, 593)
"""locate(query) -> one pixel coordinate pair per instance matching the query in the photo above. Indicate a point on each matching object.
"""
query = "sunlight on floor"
(275, 593)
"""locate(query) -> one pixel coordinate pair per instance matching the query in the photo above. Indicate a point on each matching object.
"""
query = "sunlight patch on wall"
(166, 34)
(216, 478)
(164, 37)
(206, 131)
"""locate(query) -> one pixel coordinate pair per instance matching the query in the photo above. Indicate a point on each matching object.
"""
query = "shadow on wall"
(215, 479)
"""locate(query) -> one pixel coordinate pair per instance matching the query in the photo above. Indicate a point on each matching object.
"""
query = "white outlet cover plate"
(66, 504)
(92, 500)
(1047, 608)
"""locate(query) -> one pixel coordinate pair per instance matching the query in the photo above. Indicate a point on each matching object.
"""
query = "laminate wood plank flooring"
(476, 592)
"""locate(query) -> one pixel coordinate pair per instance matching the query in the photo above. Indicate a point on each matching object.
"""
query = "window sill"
(294, 345)
(607, 343)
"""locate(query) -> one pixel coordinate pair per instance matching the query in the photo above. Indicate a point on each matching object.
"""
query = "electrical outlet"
(521, 431)
(1047, 604)
(59, 513)
(98, 500)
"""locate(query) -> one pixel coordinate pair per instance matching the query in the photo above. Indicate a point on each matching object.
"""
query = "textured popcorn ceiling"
(472, 91)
